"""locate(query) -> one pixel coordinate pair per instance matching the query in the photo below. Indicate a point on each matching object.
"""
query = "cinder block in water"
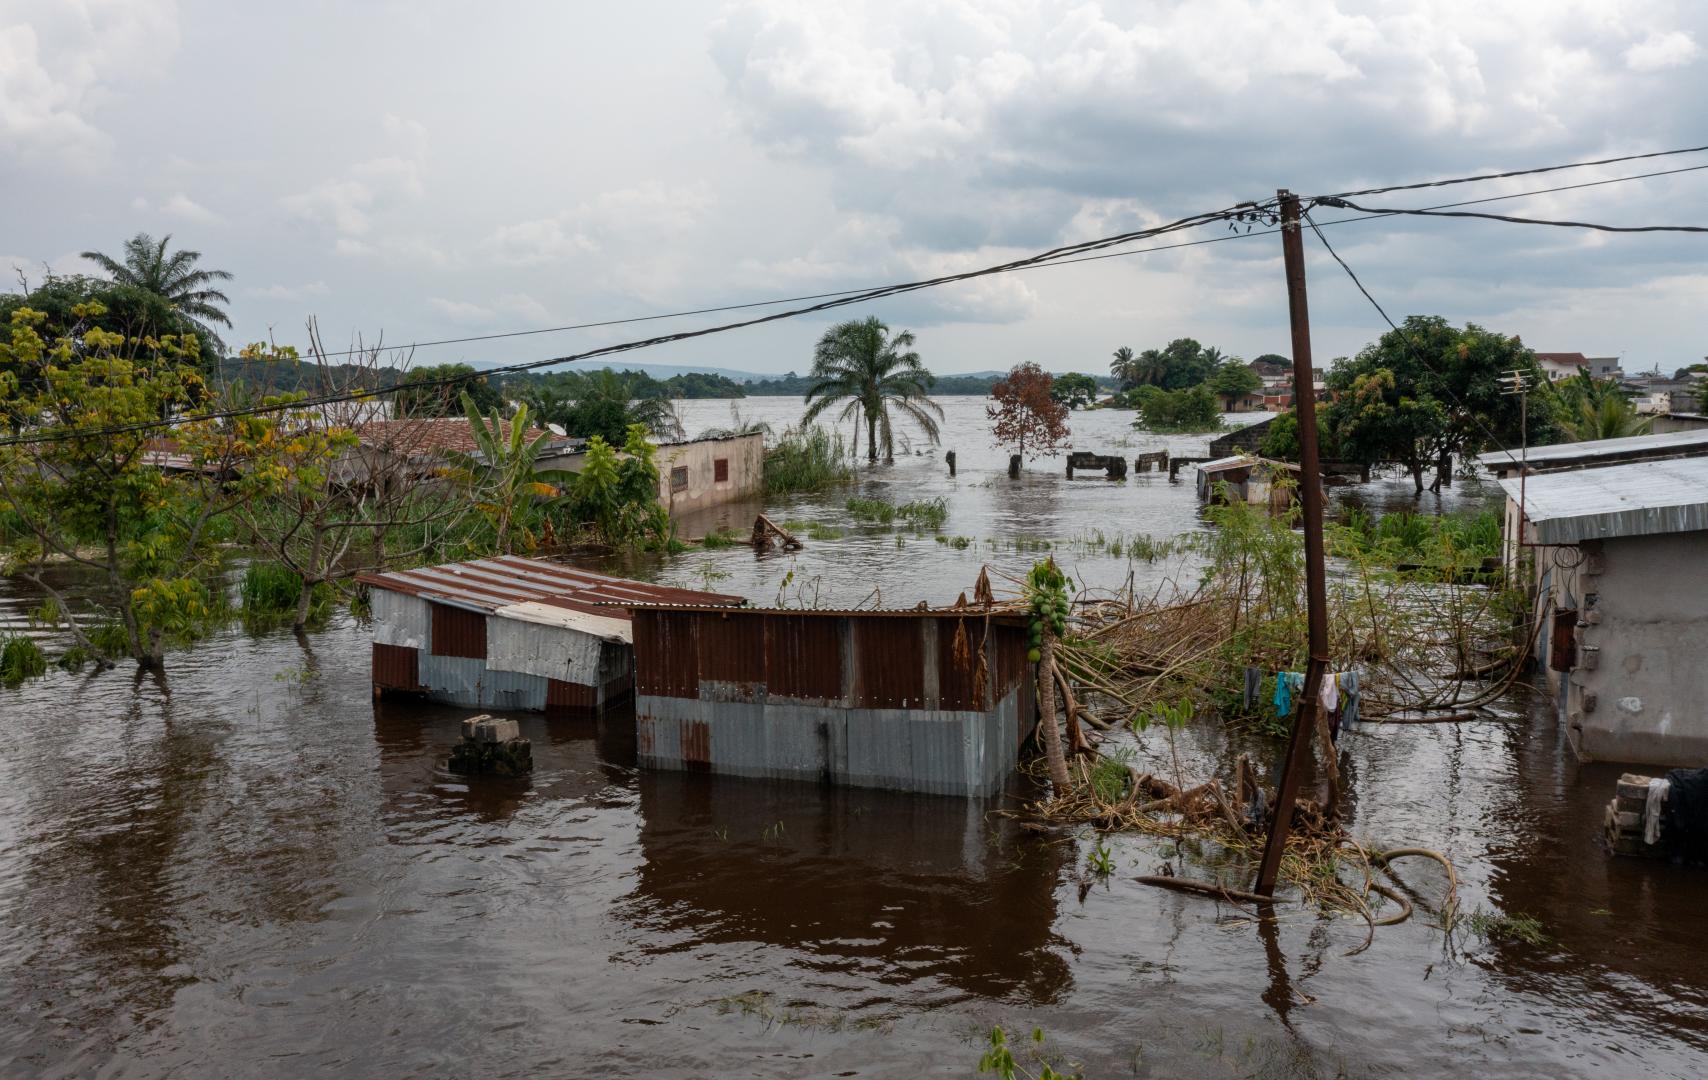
(493, 730)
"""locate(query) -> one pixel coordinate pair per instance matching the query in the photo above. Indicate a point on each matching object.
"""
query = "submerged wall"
(1637, 686)
(929, 702)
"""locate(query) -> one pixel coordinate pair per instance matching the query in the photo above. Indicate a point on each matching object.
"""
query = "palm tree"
(173, 278)
(861, 362)
(1612, 417)
(1122, 368)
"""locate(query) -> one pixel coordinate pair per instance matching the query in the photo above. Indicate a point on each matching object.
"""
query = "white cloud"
(1657, 52)
(509, 309)
(641, 214)
(462, 311)
(346, 205)
(62, 60)
(179, 206)
(289, 292)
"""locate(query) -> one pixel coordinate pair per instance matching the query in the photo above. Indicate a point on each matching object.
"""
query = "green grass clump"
(1497, 926)
(810, 460)
(722, 538)
(20, 658)
(876, 511)
(273, 589)
(817, 530)
(924, 513)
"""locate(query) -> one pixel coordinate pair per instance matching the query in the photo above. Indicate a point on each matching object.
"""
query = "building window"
(720, 469)
(679, 478)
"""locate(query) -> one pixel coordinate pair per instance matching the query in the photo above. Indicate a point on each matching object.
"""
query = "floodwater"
(254, 869)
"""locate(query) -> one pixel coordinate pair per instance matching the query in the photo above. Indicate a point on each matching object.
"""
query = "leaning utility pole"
(1311, 495)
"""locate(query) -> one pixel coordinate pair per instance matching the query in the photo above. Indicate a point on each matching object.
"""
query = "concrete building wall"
(1638, 689)
(691, 478)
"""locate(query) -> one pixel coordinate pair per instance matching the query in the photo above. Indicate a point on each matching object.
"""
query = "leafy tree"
(603, 403)
(1429, 391)
(1270, 359)
(1122, 367)
(415, 399)
(173, 278)
(66, 303)
(89, 493)
(617, 496)
(500, 475)
(862, 363)
(318, 501)
(1074, 390)
(1234, 380)
(1188, 411)
(1026, 415)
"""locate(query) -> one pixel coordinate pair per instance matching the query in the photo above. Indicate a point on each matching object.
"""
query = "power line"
(1406, 339)
(1330, 200)
(506, 334)
(1181, 224)
(1520, 172)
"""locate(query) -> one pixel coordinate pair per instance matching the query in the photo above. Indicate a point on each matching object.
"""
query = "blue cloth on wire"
(1287, 683)
(1348, 698)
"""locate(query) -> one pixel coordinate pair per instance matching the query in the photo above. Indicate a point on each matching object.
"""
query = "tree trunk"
(1417, 474)
(872, 437)
(304, 600)
(1047, 714)
(1444, 470)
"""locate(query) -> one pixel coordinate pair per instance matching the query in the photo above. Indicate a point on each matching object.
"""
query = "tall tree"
(1025, 415)
(860, 362)
(603, 403)
(1074, 390)
(92, 492)
(1122, 366)
(174, 278)
(424, 393)
(1430, 391)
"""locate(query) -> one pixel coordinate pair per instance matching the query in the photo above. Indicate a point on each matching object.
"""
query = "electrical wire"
(1519, 172)
(1406, 339)
(1181, 224)
(1346, 204)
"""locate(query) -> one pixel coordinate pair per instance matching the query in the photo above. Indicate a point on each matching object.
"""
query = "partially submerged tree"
(500, 476)
(616, 496)
(1074, 390)
(1234, 380)
(89, 488)
(1025, 416)
(1429, 391)
(601, 403)
(320, 500)
(861, 363)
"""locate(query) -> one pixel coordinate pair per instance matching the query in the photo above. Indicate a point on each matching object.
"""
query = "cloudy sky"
(428, 170)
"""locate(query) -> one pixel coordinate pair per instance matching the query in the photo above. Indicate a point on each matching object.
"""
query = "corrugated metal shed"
(512, 633)
(1643, 499)
(934, 700)
(1600, 451)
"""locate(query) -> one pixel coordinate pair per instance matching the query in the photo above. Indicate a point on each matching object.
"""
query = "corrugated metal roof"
(1632, 446)
(505, 581)
(1640, 499)
(1001, 614)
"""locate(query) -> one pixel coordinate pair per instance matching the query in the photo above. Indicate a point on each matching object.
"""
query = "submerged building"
(923, 700)
(1620, 554)
(511, 633)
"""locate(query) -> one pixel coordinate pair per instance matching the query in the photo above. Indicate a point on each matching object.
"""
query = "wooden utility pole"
(1311, 497)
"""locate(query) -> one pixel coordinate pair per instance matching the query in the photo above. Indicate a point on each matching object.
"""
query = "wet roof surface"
(1681, 442)
(491, 584)
(1644, 498)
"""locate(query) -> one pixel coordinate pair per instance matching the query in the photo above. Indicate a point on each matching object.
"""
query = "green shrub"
(1191, 411)
(20, 658)
(809, 460)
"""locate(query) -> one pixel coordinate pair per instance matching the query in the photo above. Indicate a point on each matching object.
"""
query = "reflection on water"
(256, 870)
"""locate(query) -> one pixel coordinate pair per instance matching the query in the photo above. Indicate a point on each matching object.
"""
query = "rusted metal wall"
(395, 667)
(458, 632)
(892, 700)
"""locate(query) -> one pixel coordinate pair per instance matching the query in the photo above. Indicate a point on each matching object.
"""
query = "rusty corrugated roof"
(502, 581)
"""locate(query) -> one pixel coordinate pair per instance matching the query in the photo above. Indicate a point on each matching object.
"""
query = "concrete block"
(492, 730)
(472, 723)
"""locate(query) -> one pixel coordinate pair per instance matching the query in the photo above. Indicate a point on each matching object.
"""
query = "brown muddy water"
(253, 869)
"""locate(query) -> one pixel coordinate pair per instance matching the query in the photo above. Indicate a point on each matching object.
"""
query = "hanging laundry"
(1329, 695)
(1253, 687)
(1287, 683)
(1349, 691)
(1652, 807)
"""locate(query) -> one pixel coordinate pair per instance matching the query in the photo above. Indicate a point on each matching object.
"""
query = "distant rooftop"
(1648, 498)
(428, 435)
(1601, 452)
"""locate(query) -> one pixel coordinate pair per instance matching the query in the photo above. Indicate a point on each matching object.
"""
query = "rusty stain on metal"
(697, 744)
(458, 632)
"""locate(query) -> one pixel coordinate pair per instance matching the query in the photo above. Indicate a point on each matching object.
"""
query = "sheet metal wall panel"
(888, 669)
(458, 680)
(458, 633)
(732, 652)
(395, 667)
(803, 658)
(570, 697)
(956, 679)
(401, 619)
(666, 653)
(552, 652)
